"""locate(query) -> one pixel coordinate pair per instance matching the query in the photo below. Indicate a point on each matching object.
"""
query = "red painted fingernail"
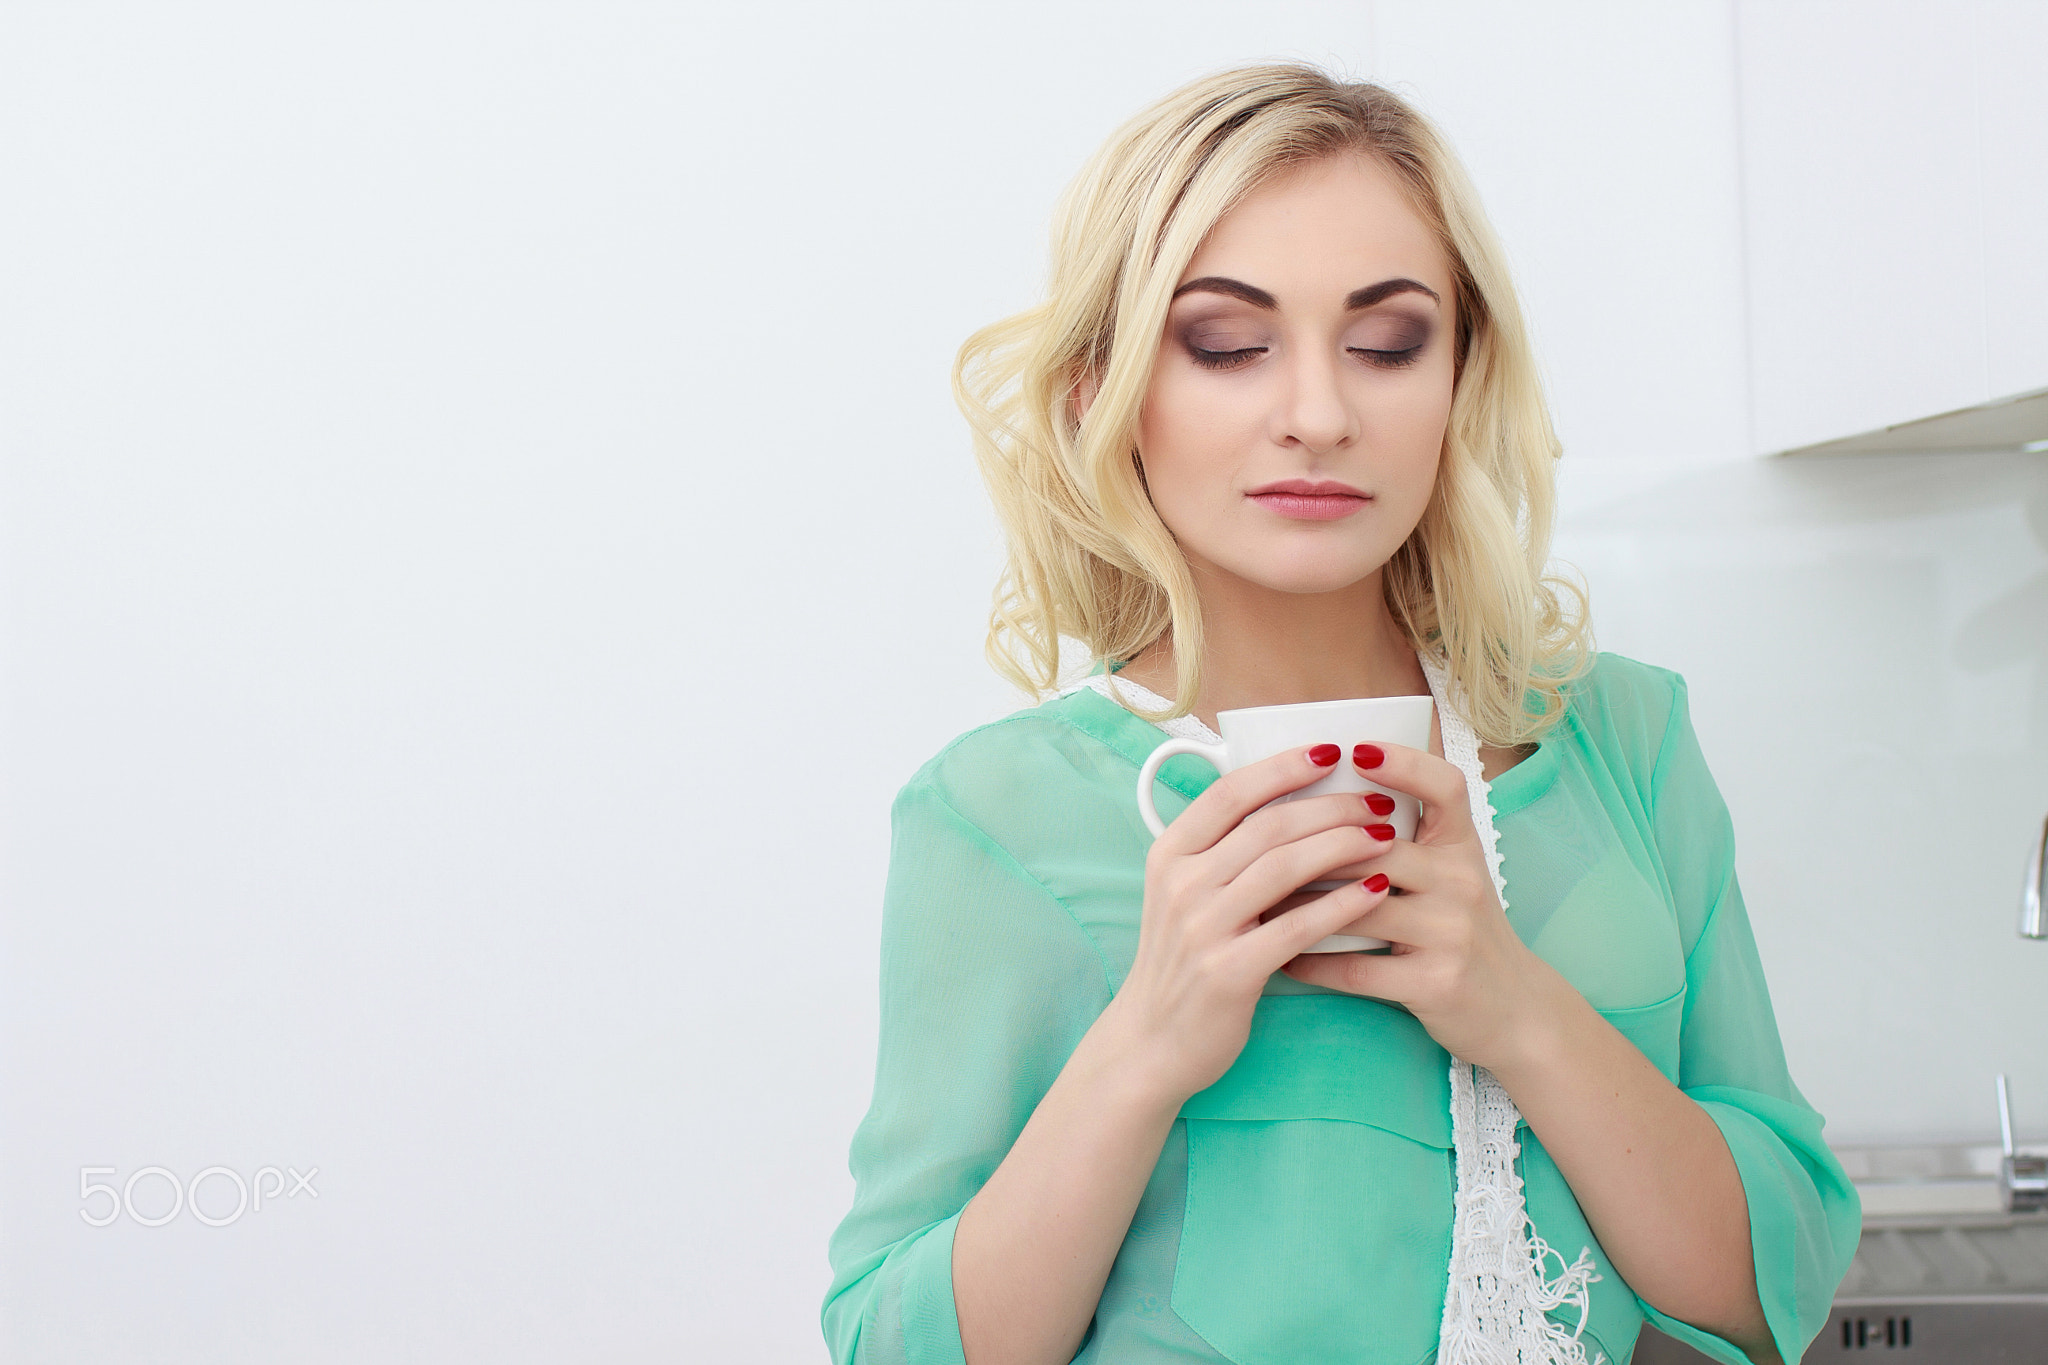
(1368, 755)
(1325, 755)
(1376, 882)
(1380, 831)
(1379, 803)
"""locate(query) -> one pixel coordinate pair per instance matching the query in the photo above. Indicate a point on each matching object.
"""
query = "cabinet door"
(2015, 118)
(1863, 198)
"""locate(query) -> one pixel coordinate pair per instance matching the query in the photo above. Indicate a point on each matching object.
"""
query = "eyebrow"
(1259, 298)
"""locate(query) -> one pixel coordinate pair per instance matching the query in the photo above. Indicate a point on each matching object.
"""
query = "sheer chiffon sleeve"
(1804, 1214)
(987, 986)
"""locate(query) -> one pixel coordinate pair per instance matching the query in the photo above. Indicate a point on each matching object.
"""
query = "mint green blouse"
(1301, 1210)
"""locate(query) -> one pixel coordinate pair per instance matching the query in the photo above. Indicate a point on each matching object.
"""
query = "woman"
(1277, 436)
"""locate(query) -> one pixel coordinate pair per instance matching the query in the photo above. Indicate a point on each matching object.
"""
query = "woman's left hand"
(1456, 963)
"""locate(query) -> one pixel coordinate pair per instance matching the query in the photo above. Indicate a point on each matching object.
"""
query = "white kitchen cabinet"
(1895, 202)
(2014, 109)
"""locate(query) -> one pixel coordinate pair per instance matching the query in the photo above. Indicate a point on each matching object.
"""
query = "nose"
(1315, 410)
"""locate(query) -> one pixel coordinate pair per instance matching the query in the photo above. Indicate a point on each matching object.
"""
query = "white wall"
(485, 534)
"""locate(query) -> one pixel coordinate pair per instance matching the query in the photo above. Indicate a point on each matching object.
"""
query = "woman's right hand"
(1204, 956)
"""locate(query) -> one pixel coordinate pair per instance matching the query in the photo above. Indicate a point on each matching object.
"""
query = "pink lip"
(1302, 500)
(1322, 488)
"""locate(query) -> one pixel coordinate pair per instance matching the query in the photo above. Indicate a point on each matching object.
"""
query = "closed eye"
(1392, 360)
(1230, 360)
(1224, 360)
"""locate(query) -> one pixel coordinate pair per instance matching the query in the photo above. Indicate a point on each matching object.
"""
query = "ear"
(1086, 384)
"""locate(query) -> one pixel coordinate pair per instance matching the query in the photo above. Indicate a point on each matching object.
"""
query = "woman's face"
(1296, 412)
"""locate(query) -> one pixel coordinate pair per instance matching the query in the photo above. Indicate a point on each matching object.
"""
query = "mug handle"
(1215, 753)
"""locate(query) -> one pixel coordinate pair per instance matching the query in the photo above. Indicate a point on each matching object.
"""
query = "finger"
(1409, 927)
(1283, 822)
(1291, 934)
(1375, 860)
(1281, 871)
(1382, 976)
(1363, 868)
(1362, 927)
(1437, 782)
(1287, 902)
(1426, 908)
(1233, 796)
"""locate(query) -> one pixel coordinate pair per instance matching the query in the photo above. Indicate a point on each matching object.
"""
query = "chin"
(1309, 579)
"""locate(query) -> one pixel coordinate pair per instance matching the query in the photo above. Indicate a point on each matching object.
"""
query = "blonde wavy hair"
(1089, 558)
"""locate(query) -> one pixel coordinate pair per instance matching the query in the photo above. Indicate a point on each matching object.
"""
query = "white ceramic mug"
(1256, 732)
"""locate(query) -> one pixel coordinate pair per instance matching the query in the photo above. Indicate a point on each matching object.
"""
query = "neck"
(1266, 648)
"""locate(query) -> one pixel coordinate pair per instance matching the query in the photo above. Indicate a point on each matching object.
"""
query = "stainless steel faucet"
(2022, 1180)
(2036, 890)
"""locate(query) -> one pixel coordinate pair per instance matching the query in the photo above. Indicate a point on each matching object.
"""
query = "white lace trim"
(1499, 1286)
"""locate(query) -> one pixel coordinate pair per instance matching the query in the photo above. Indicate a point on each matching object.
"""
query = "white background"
(486, 533)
